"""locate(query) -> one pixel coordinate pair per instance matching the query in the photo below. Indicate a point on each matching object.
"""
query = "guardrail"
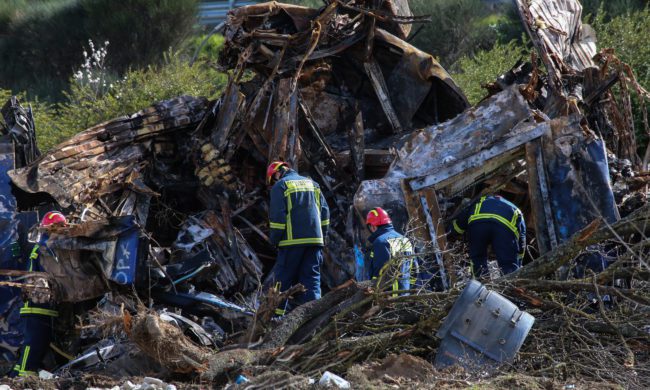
(212, 13)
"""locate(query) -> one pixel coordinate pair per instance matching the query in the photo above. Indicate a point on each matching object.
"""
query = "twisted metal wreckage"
(169, 205)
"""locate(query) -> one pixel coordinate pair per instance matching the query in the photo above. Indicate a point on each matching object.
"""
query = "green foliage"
(138, 89)
(210, 49)
(87, 106)
(628, 35)
(457, 28)
(485, 66)
(612, 8)
(140, 30)
(40, 46)
(42, 40)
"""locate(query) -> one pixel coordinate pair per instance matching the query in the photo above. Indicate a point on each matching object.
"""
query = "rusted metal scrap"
(332, 92)
(544, 119)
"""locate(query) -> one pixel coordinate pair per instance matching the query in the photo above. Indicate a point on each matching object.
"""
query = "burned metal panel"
(421, 90)
(539, 198)
(373, 71)
(424, 221)
(397, 8)
(575, 165)
(385, 193)
(478, 164)
(440, 146)
(96, 160)
(10, 256)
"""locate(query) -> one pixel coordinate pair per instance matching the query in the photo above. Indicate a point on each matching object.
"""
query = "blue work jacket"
(299, 215)
(34, 265)
(494, 208)
(387, 244)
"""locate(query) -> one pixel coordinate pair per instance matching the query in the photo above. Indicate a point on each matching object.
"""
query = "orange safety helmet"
(274, 167)
(53, 218)
(377, 217)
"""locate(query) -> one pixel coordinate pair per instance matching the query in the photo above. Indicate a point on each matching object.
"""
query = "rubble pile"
(161, 271)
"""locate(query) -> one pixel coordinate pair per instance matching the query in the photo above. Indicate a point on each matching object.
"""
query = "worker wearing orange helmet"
(299, 219)
(38, 317)
(390, 250)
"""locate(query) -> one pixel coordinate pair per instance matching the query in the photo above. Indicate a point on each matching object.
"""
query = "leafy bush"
(142, 30)
(211, 48)
(485, 66)
(458, 27)
(86, 106)
(628, 35)
(41, 42)
(612, 8)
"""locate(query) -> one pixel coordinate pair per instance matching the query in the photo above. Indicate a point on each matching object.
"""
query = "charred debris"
(162, 266)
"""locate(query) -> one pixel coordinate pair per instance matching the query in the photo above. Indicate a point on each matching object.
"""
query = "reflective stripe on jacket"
(388, 244)
(494, 208)
(30, 308)
(299, 214)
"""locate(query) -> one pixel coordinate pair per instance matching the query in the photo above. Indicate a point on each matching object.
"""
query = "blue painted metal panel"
(125, 264)
(580, 188)
(10, 302)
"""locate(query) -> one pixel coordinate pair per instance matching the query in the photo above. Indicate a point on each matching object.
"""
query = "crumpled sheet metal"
(461, 146)
(238, 269)
(567, 46)
(578, 184)
(10, 299)
(419, 85)
(319, 77)
(273, 38)
(83, 167)
(428, 150)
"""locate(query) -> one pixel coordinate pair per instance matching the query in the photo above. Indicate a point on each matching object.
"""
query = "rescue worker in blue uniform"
(299, 220)
(492, 220)
(390, 257)
(37, 318)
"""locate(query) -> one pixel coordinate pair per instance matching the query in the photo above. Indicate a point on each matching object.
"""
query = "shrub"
(612, 8)
(484, 67)
(41, 44)
(85, 106)
(140, 30)
(456, 28)
(627, 35)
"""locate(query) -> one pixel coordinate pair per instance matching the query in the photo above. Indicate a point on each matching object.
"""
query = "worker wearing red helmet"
(390, 250)
(38, 317)
(299, 219)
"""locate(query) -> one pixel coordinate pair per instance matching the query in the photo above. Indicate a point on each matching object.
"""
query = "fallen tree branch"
(637, 222)
(303, 313)
(554, 285)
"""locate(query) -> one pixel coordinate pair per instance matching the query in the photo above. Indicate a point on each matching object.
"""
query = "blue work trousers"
(298, 264)
(482, 234)
(37, 338)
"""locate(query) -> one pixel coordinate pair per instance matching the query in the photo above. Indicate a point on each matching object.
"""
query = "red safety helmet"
(274, 167)
(53, 218)
(377, 217)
